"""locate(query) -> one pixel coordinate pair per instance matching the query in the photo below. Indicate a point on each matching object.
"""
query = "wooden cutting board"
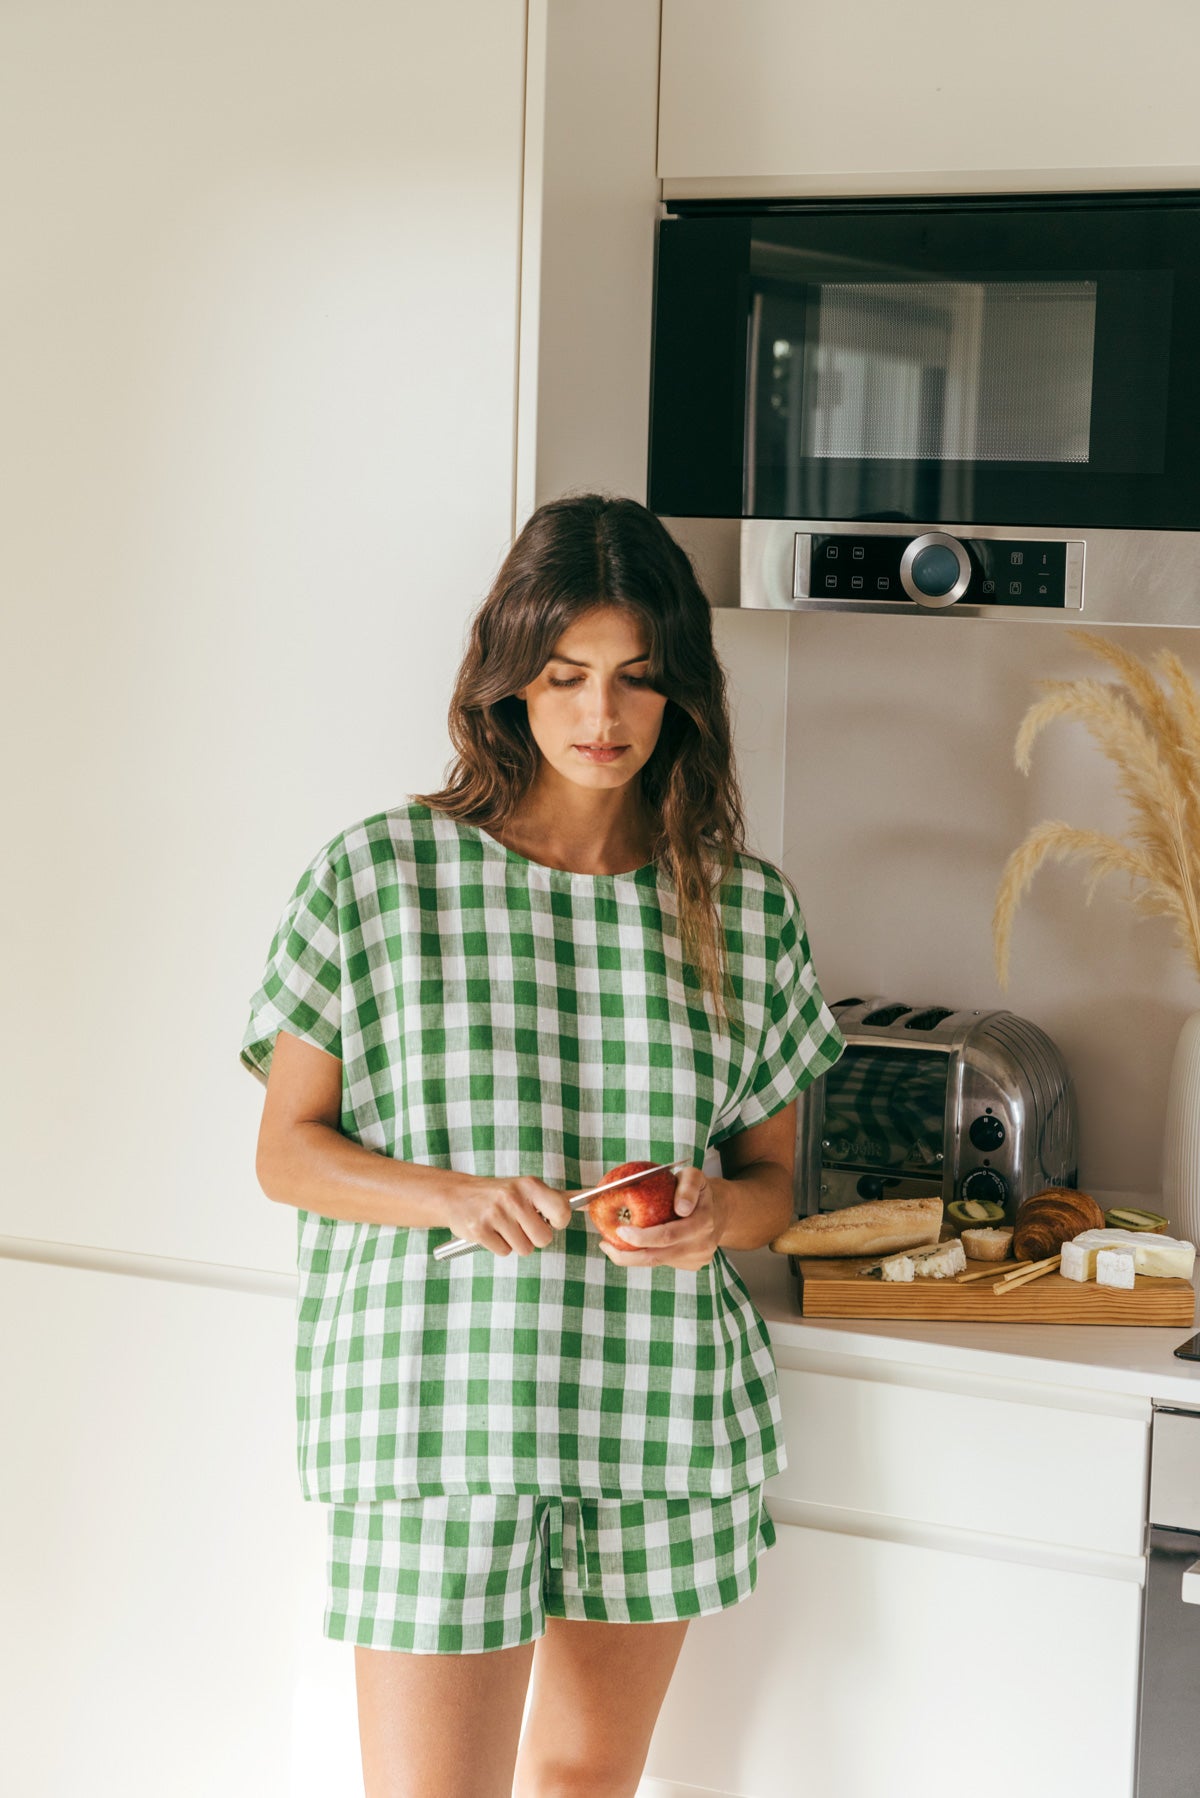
(831, 1288)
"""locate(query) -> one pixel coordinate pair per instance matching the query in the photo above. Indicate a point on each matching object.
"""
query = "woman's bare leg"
(597, 1692)
(440, 1725)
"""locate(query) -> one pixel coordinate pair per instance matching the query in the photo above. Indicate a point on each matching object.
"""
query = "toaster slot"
(886, 1014)
(928, 1019)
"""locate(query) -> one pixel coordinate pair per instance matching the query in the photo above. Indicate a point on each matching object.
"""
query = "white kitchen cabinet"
(868, 1668)
(163, 1579)
(998, 1461)
(865, 96)
(953, 1604)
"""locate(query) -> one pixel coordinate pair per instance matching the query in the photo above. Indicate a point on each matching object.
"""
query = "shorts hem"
(379, 1596)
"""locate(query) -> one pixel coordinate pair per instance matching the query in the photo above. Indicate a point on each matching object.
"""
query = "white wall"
(902, 805)
(260, 318)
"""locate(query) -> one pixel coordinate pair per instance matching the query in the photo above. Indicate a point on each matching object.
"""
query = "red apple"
(643, 1202)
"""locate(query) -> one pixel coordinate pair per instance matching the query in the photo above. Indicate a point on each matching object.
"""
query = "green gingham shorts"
(463, 1575)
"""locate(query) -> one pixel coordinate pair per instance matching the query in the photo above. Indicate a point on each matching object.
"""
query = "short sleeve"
(301, 986)
(802, 1039)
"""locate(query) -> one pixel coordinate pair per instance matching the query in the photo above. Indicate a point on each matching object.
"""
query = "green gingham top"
(501, 1017)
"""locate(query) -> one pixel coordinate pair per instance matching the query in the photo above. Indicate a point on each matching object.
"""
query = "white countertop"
(1103, 1357)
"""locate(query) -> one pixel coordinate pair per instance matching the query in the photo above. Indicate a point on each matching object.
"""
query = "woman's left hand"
(690, 1239)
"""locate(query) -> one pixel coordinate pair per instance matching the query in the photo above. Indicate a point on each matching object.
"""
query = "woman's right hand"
(519, 1212)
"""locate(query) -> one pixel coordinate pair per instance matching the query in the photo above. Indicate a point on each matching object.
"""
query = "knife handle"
(461, 1245)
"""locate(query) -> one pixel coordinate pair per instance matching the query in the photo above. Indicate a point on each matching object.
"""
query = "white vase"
(1181, 1138)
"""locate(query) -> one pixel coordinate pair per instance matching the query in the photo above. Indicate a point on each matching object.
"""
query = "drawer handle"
(1191, 1584)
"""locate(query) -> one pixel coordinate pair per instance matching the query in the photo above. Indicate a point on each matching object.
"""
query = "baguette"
(879, 1227)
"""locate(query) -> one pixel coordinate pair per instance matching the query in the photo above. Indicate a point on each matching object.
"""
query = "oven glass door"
(1032, 362)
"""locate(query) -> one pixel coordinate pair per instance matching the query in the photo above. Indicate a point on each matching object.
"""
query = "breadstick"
(1034, 1271)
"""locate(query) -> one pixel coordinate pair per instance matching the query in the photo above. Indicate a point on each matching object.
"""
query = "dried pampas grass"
(1152, 734)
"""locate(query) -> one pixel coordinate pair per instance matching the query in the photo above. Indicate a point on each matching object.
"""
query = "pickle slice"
(1128, 1217)
(975, 1211)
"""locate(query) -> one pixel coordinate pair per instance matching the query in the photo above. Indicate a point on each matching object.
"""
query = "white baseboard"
(671, 1788)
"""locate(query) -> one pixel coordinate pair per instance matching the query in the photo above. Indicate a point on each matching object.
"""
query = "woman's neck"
(586, 832)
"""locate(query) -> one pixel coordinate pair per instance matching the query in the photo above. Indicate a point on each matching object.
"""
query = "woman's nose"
(602, 705)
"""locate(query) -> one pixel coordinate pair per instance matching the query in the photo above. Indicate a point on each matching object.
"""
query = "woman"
(474, 1005)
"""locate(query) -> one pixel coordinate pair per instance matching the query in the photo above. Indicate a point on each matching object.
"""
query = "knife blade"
(462, 1244)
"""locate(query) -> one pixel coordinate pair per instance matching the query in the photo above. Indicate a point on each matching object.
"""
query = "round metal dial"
(935, 569)
(985, 1183)
(987, 1133)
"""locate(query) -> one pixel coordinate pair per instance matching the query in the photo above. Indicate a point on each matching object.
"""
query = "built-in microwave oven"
(986, 406)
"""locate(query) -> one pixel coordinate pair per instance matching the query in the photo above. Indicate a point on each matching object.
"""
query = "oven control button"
(987, 1133)
(935, 569)
(984, 1183)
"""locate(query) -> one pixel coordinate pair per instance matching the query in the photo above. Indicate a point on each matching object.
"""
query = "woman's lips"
(596, 753)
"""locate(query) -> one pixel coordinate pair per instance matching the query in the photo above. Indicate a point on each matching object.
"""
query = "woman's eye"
(632, 680)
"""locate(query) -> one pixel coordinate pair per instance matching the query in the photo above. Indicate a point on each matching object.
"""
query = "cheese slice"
(1165, 1257)
(1114, 1267)
(936, 1263)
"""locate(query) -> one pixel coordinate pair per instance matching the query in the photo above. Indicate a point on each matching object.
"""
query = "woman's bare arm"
(303, 1159)
(758, 1169)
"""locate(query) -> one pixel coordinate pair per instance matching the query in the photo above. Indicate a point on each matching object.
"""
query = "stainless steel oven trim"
(922, 535)
(1133, 577)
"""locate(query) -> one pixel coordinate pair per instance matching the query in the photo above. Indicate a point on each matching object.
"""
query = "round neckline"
(545, 868)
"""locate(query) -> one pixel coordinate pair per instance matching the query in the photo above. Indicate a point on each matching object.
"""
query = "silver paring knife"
(461, 1245)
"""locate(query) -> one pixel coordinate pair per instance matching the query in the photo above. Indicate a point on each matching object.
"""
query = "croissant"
(1048, 1219)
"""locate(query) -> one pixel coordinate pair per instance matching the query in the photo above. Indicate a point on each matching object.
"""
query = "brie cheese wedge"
(1164, 1256)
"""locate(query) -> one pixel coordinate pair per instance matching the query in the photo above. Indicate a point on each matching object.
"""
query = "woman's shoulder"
(385, 842)
(757, 885)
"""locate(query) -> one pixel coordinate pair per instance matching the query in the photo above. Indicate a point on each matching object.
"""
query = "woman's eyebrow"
(577, 664)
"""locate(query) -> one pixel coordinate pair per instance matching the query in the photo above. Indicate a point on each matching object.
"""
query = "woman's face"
(591, 712)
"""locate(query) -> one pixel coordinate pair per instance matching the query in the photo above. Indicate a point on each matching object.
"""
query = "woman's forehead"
(601, 633)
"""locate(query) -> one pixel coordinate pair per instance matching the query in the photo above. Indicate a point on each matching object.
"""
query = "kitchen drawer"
(874, 1669)
(973, 1461)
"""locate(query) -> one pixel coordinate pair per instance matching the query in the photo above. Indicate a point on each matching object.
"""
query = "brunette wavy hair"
(574, 554)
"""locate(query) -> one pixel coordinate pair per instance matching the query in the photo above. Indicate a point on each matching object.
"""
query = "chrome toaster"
(971, 1104)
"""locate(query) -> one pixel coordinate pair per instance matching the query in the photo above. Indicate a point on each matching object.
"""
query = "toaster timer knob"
(985, 1183)
(935, 569)
(987, 1133)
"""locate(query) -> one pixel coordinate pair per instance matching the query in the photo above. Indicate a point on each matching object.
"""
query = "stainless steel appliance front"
(1168, 1748)
(1116, 577)
(930, 1099)
(914, 384)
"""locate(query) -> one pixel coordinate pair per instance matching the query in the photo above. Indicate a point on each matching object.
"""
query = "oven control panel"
(933, 569)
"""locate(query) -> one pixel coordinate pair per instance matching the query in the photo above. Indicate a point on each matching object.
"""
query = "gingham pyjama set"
(504, 1438)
